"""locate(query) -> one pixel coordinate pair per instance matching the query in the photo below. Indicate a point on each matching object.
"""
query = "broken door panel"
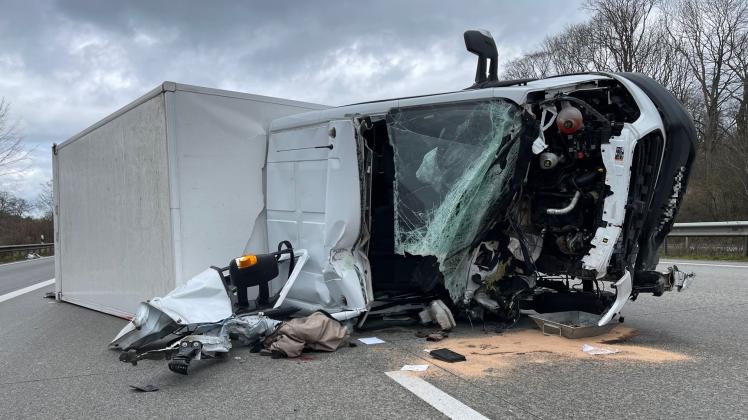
(347, 266)
(318, 209)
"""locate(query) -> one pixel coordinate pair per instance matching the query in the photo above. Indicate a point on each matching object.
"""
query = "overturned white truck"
(552, 195)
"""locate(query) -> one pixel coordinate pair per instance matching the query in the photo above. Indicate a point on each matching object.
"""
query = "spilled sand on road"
(495, 354)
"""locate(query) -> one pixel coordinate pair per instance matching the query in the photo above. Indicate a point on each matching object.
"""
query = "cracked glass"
(453, 164)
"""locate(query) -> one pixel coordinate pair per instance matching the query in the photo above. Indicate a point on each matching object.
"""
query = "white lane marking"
(25, 261)
(435, 397)
(703, 264)
(31, 288)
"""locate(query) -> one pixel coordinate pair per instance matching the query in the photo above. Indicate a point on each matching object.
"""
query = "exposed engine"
(552, 221)
(566, 184)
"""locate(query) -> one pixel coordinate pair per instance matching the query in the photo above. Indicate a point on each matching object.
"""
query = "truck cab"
(550, 195)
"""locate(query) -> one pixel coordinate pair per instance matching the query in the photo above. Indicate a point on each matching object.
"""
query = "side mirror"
(481, 43)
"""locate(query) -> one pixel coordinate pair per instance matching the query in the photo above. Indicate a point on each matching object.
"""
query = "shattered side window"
(453, 164)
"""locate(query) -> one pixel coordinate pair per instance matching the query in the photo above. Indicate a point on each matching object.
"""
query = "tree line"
(16, 224)
(698, 49)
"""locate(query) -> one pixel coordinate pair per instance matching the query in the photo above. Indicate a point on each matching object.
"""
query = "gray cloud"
(66, 64)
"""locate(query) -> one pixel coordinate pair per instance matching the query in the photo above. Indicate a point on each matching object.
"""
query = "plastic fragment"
(596, 351)
(415, 368)
(371, 340)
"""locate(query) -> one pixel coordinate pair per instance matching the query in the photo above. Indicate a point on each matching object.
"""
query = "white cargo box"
(159, 191)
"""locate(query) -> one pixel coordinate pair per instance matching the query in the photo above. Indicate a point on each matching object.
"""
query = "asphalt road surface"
(17, 275)
(56, 364)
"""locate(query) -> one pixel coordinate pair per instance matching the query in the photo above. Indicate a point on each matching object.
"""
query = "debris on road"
(497, 354)
(437, 312)
(144, 388)
(447, 355)
(318, 331)
(432, 335)
(197, 320)
(371, 340)
(570, 324)
(438, 336)
(597, 351)
(415, 368)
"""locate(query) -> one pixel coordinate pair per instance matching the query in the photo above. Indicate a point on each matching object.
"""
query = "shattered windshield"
(453, 164)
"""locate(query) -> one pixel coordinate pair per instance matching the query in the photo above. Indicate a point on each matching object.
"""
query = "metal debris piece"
(570, 324)
(144, 388)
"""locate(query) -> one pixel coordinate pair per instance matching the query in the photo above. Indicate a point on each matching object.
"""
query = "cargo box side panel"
(217, 158)
(114, 232)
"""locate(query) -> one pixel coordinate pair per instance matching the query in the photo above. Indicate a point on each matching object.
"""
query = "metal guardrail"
(709, 229)
(25, 247)
(18, 250)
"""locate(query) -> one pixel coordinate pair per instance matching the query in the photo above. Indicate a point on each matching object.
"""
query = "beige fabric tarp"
(317, 332)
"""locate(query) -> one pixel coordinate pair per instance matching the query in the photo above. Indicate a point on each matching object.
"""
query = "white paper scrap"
(598, 350)
(371, 340)
(415, 368)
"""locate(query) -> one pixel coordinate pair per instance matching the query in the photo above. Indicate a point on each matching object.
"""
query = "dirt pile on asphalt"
(499, 353)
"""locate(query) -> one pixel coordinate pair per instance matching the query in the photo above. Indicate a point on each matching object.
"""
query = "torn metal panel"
(149, 325)
(202, 299)
(623, 293)
(453, 166)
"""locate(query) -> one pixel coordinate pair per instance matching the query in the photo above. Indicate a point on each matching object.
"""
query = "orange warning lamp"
(246, 261)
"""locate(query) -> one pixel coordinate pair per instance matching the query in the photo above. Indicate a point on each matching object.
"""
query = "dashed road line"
(435, 397)
(31, 288)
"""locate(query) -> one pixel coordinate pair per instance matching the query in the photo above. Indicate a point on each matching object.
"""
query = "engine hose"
(585, 179)
(568, 208)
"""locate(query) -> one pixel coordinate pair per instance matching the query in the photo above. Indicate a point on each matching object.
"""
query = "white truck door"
(314, 201)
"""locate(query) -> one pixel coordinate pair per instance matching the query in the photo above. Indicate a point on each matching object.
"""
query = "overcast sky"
(66, 64)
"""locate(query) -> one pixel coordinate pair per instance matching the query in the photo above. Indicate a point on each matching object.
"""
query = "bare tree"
(535, 65)
(11, 205)
(570, 51)
(704, 32)
(622, 29)
(618, 37)
(574, 50)
(11, 146)
(737, 143)
(45, 200)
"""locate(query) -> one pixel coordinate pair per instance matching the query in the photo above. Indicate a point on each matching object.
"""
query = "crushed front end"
(555, 203)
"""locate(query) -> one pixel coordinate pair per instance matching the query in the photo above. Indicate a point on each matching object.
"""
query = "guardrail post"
(745, 246)
(688, 249)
